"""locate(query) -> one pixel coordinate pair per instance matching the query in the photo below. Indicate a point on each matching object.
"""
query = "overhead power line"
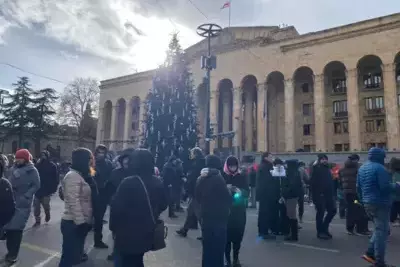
(198, 9)
(32, 73)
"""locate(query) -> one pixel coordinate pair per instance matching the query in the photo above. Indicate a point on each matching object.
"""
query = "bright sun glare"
(150, 50)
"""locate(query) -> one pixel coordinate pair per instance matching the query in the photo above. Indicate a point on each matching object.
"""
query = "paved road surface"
(41, 247)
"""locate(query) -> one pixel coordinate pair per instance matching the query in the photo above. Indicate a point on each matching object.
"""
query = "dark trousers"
(13, 243)
(234, 239)
(100, 208)
(191, 221)
(300, 203)
(356, 216)
(72, 244)
(214, 241)
(37, 203)
(324, 205)
(395, 211)
(342, 208)
(268, 217)
(128, 260)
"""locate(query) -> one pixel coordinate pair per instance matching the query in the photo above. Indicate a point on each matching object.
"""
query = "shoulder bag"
(160, 230)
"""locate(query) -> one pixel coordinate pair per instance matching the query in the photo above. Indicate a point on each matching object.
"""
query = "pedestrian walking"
(7, 201)
(25, 182)
(239, 187)
(215, 202)
(376, 188)
(198, 163)
(49, 180)
(267, 196)
(395, 209)
(322, 187)
(78, 208)
(141, 195)
(102, 177)
(356, 218)
(170, 176)
(291, 189)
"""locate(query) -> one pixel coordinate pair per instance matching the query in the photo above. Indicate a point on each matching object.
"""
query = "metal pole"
(208, 95)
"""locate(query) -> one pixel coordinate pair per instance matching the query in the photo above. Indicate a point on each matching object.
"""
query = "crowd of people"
(218, 193)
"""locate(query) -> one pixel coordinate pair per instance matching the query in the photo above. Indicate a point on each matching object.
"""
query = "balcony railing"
(339, 90)
(375, 111)
(340, 114)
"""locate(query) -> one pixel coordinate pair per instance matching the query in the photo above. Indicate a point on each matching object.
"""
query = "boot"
(294, 231)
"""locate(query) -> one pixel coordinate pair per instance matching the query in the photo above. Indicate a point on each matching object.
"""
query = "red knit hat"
(23, 154)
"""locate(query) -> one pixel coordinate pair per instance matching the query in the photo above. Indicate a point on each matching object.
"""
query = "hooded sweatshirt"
(374, 184)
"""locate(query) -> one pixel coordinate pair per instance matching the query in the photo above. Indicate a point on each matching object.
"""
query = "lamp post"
(208, 63)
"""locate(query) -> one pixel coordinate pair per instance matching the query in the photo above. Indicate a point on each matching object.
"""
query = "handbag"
(160, 230)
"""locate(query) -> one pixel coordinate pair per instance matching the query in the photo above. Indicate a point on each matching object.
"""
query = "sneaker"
(236, 263)
(110, 257)
(182, 232)
(84, 257)
(368, 258)
(396, 224)
(100, 245)
(36, 224)
(10, 262)
(324, 236)
(364, 233)
(351, 232)
(173, 216)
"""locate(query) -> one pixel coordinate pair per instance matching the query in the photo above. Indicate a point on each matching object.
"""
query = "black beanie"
(213, 162)
(354, 157)
(322, 156)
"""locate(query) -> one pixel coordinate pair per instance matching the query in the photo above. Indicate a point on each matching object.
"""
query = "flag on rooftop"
(226, 5)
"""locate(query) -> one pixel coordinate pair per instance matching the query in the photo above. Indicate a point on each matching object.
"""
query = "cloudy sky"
(63, 39)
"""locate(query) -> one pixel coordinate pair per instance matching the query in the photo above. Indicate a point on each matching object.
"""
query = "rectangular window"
(380, 125)
(369, 126)
(305, 87)
(372, 80)
(307, 148)
(346, 147)
(345, 127)
(372, 103)
(340, 106)
(338, 147)
(307, 129)
(339, 85)
(337, 128)
(307, 109)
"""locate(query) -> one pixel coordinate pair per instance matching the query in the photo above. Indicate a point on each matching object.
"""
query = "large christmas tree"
(170, 125)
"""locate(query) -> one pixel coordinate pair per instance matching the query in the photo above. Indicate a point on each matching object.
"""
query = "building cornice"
(127, 79)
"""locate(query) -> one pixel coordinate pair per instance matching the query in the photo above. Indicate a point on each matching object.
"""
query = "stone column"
(262, 120)
(127, 125)
(237, 118)
(226, 116)
(100, 127)
(289, 116)
(391, 106)
(319, 113)
(353, 109)
(113, 127)
(213, 117)
(248, 119)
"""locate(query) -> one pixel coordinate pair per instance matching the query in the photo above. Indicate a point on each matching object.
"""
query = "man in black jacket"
(102, 177)
(198, 163)
(49, 180)
(169, 175)
(214, 201)
(7, 203)
(322, 188)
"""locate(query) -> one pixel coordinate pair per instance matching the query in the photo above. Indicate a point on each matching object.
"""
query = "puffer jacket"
(348, 177)
(77, 198)
(374, 184)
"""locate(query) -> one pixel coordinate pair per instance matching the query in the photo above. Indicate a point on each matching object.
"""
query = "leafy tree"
(42, 115)
(74, 100)
(17, 111)
(170, 125)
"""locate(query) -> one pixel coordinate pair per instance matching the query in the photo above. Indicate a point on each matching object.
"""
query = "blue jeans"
(71, 247)
(214, 241)
(380, 215)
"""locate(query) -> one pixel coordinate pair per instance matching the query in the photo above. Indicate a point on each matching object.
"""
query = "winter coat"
(169, 174)
(49, 178)
(396, 179)
(194, 172)
(77, 198)
(348, 177)
(7, 202)
(130, 217)
(268, 188)
(321, 182)
(237, 216)
(374, 184)
(117, 175)
(25, 182)
(292, 185)
(213, 197)
(103, 173)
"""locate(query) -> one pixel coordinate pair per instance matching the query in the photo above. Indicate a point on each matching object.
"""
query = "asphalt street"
(41, 246)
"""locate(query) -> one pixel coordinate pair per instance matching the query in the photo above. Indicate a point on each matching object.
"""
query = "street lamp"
(208, 63)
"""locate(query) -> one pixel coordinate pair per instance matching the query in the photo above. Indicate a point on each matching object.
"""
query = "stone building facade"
(332, 90)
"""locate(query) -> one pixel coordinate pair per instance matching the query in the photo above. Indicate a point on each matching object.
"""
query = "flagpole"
(229, 20)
